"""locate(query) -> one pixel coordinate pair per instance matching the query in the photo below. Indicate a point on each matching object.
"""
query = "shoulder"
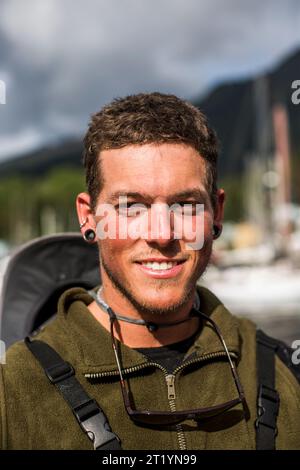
(286, 381)
(288, 388)
(14, 379)
(20, 364)
(26, 395)
(21, 375)
(3, 426)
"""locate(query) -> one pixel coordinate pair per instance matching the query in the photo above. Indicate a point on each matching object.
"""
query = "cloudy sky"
(61, 59)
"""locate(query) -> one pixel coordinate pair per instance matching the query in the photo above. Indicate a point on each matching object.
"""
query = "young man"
(168, 364)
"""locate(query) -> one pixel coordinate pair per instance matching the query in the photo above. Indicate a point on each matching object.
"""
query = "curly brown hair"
(148, 118)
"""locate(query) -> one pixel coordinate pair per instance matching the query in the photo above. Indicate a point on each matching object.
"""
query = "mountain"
(231, 110)
(39, 162)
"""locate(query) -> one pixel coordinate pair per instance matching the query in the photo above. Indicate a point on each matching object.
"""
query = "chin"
(162, 298)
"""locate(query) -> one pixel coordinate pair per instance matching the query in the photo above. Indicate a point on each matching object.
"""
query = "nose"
(160, 225)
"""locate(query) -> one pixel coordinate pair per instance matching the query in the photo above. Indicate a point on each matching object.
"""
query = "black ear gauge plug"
(216, 231)
(89, 235)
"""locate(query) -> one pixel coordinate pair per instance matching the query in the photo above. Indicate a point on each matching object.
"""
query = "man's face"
(157, 174)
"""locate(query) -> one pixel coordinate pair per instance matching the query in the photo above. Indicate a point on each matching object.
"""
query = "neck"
(175, 326)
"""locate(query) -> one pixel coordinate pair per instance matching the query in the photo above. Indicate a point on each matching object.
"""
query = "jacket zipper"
(170, 378)
(129, 370)
(170, 381)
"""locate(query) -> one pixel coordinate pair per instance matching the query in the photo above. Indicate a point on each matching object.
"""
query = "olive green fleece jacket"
(34, 415)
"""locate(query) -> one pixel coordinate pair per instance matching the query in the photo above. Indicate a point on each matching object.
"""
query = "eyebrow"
(195, 193)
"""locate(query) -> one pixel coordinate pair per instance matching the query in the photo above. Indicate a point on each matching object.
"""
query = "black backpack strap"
(86, 410)
(268, 397)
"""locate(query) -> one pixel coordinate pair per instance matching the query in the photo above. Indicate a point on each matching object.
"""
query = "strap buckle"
(95, 425)
(59, 372)
(268, 407)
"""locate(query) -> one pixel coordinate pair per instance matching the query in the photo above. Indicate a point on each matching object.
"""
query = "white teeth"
(160, 266)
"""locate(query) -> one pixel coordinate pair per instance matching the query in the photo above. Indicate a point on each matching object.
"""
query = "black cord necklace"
(150, 325)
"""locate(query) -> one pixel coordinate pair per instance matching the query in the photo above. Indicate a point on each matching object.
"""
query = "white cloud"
(67, 58)
(31, 28)
(16, 143)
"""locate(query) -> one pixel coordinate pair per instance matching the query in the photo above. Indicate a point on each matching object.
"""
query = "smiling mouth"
(161, 268)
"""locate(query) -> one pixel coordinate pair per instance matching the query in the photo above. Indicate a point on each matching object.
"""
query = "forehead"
(157, 170)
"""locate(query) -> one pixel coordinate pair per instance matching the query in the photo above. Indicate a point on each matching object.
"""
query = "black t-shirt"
(171, 356)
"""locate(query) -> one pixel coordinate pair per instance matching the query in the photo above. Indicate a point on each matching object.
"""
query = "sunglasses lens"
(162, 420)
(153, 418)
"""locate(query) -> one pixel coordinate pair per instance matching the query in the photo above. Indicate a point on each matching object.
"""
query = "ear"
(84, 212)
(219, 210)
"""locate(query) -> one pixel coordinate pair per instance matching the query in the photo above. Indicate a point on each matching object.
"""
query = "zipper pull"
(171, 386)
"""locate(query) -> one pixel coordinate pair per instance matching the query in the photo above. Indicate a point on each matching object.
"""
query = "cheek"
(208, 223)
(115, 249)
(197, 231)
(112, 233)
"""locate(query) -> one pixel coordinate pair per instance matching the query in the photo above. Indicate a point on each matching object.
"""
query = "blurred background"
(238, 61)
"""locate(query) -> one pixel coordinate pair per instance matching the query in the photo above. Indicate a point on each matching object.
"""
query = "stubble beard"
(142, 306)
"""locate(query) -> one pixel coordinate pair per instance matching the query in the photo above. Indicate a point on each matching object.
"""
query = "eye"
(187, 207)
(131, 209)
